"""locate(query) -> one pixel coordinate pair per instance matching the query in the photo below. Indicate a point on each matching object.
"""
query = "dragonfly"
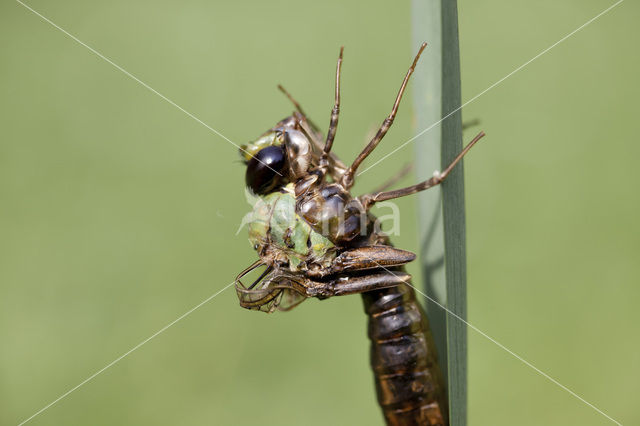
(315, 239)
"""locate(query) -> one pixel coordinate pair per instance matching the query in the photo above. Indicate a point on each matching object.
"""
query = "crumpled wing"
(274, 291)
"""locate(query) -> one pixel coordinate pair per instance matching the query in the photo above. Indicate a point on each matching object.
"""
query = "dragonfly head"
(278, 157)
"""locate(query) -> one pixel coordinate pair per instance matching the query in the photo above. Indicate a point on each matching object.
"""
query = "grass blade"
(441, 210)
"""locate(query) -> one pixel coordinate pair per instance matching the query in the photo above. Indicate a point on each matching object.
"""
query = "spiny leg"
(298, 107)
(368, 200)
(324, 162)
(344, 284)
(362, 284)
(348, 178)
(333, 123)
(336, 166)
(364, 258)
(335, 112)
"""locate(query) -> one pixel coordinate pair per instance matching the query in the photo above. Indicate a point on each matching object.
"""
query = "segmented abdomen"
(403, 358)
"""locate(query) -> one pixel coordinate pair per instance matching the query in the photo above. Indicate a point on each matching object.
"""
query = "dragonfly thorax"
(282, 237)
(333, 212)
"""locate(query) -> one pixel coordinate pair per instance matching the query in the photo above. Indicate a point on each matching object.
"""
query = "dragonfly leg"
(365, 258)
(348, 178)
(336, 167)
(325, 161)
(369, 200)
(298, 107)
(335, 113)
(343, 285)
(361, 284)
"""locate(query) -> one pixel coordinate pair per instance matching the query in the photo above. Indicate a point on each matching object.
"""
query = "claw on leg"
(369, 200)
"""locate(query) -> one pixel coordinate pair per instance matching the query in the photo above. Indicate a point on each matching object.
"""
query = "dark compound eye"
(265, 169)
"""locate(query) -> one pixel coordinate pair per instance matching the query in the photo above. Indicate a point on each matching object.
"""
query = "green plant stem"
(441, 210)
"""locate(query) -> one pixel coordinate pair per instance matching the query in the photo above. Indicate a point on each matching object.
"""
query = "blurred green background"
(118, 212)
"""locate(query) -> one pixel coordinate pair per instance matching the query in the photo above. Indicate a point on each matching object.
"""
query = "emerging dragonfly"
(317, 240)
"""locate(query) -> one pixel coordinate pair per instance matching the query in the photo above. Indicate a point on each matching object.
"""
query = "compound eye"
(265, 169)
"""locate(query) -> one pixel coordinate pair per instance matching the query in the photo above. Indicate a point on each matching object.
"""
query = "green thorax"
(279, 234)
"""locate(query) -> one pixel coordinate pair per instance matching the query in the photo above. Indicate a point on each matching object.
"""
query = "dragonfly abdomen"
(403, 359)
